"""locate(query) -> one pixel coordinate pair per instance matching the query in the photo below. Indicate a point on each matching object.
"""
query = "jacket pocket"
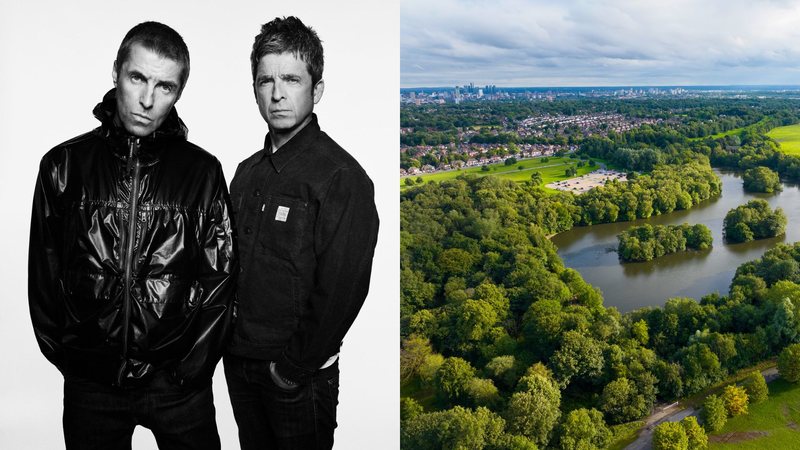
(283, 224)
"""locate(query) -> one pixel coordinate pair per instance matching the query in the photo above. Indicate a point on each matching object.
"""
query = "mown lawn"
(778, 417)
(789, 138)
(552, 170)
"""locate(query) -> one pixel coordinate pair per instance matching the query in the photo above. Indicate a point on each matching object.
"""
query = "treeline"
(646, 242)
(753, 150)
(753, 220)
(497, 332)
(667, 189)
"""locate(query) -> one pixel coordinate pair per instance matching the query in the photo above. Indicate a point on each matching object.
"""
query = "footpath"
(675, 413)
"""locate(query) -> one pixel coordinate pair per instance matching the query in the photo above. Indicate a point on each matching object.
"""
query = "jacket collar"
(150, 146)
(294, 147)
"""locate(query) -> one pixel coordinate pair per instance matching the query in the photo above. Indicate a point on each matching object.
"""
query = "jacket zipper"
(133, 170)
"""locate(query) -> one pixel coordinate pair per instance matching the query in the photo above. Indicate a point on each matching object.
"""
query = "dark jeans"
(102, 417)
(270, 417)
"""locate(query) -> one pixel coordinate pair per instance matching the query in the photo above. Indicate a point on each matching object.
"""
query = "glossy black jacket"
(132, 262)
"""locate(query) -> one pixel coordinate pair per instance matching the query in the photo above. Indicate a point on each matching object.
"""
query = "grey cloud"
(611, 42)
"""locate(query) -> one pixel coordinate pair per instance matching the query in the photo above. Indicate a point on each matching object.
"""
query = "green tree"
(670, 436)
(578, 356)
(753, 220)
(622, 402)
(534, 411)
(414, 351)
(756, 387)
(536, 178)
(583, 429)
(503, 370)
(409, 408)
(789, 363)
(696, 436)
(482, 392)
(429, 368)
(761, 179)
(408, 182)
(639, 332)
(735, 400)
(714, 414)
(452, 378)
(458, 428)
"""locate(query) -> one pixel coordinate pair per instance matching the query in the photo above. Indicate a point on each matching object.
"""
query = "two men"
(132, 260)
(307, 227)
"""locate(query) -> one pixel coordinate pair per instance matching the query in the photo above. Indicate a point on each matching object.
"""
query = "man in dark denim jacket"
(307, 227)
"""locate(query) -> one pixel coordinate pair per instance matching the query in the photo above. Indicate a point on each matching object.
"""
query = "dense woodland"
(753, 220)
(505, 348)
(761, 179)
(646, 242)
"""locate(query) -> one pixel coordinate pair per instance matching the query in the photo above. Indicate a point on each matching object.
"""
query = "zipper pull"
(133, 147)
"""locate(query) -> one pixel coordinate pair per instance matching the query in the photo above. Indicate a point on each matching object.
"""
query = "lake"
(592, 251)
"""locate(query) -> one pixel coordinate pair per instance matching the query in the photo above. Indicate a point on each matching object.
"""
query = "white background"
(55, 65)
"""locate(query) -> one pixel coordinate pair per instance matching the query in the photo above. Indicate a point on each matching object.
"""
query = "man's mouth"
(142, 118)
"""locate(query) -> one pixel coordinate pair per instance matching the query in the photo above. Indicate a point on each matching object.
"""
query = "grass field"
(772, 424)
(552, 170)
(789, 137)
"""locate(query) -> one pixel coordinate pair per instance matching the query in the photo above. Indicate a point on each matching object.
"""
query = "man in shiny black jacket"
(307, 224)
(132, 264)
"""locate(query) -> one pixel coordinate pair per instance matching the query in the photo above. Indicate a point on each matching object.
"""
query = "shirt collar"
(292, 148)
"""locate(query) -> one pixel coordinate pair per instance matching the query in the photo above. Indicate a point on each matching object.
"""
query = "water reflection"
(592, 251)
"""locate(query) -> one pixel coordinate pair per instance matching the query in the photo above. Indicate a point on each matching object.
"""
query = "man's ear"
(319, 88)
(114, 73)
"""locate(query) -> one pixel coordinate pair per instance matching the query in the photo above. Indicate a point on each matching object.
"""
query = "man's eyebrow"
(169, 84)
(137, 73)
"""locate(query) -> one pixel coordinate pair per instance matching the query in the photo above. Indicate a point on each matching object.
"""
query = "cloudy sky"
(599, 43)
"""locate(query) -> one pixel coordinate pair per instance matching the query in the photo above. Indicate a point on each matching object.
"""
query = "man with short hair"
(131, 263)
(307, 226)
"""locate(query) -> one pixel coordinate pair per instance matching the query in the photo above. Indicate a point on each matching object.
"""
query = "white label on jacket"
(282, 214)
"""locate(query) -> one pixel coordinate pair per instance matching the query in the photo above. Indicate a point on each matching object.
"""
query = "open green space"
(771, 424)
(788, 137)
(551, 170)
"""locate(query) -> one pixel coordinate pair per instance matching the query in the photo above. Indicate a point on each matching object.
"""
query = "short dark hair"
(289, 35)
(158, 38)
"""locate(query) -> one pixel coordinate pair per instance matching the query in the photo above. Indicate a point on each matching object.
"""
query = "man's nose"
(277, 91)
(147, 96)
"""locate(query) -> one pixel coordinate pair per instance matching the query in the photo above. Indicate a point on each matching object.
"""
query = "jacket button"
(257, 193)
(248, 230)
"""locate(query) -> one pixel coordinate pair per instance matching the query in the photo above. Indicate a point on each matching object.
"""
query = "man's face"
(148, 85)
(285, 93)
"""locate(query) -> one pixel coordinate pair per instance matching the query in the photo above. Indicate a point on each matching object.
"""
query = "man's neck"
(278, 138)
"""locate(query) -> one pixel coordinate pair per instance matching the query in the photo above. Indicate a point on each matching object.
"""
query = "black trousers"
(102, 417)
(270, 417)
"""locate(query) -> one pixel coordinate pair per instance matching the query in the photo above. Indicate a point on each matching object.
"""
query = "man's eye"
(136, 77)
(166, 89)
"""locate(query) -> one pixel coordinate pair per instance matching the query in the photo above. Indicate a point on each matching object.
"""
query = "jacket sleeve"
(219, 266)
(45, 298)
(345, 236)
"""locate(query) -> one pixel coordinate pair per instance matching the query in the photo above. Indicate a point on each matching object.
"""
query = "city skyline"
(512, 43)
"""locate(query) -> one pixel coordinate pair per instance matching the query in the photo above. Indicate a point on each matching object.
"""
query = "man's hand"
(281, 382)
